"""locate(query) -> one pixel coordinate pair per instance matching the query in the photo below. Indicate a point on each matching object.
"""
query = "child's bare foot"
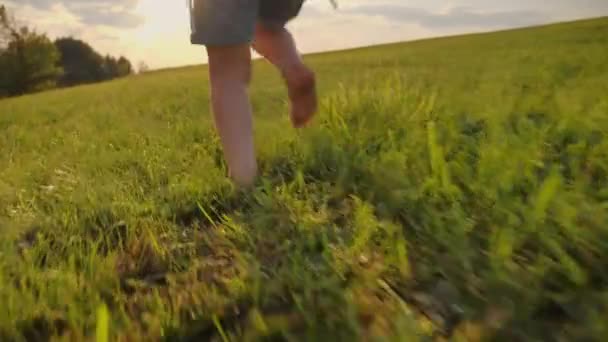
(301, 85)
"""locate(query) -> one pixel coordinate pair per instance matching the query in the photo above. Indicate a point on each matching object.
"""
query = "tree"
(27, 59)
(124, 67)
(31, 62)
(6, 25)
(3, 26)
(110, 67)
(114, 68)
(80, 62)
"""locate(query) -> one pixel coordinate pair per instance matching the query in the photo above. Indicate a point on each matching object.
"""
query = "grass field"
(451, 188)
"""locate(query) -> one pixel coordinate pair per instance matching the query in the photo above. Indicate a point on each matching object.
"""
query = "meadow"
(449, 189)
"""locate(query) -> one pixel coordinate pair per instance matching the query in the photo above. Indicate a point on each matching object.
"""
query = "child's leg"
(230, 73)
(277, 45)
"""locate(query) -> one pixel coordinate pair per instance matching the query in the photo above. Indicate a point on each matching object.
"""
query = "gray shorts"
(232, 22)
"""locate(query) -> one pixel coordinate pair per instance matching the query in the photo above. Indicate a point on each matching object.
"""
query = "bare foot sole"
(302, 96)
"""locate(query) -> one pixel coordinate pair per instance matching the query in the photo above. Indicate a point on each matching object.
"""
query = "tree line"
(31, 62)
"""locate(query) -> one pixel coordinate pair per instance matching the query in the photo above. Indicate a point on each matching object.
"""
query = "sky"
(157, 32)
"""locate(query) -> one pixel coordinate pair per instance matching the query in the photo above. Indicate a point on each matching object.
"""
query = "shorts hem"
(206, 41)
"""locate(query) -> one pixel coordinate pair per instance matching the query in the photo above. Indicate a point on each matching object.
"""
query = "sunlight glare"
(163, 17)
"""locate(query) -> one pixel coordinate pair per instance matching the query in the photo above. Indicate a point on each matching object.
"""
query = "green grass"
(451, 187)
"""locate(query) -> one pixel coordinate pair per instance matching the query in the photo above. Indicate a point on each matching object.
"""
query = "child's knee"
(230, 64)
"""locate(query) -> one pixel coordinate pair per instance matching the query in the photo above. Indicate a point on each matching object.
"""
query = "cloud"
(455, 17)
(117, 13)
